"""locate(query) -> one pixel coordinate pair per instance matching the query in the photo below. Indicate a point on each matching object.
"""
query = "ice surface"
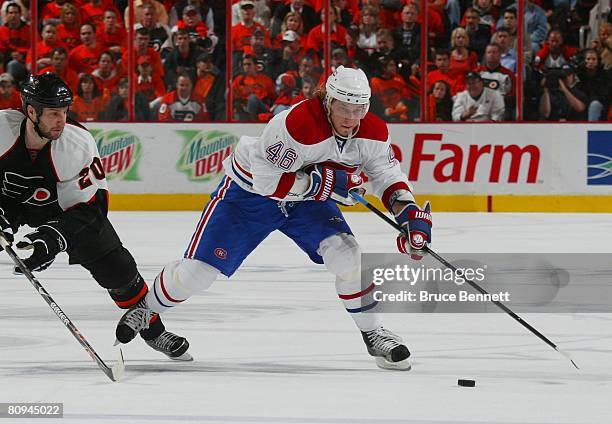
(274, 345)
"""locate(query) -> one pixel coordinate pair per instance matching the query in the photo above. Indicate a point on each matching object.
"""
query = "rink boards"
(460, 167)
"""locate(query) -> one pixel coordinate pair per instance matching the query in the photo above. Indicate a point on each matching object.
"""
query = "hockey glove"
(331, 183)
(6, 228)
(46, 242)
(416, 223)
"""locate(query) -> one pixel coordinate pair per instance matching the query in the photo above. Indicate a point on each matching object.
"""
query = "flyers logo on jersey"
(27, 189)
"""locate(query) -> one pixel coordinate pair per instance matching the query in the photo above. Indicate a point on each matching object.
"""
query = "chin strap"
(37, 129)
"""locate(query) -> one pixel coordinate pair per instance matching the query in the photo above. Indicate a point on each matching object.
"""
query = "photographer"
(561, 100)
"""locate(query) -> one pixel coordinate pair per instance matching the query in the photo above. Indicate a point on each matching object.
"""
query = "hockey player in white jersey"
(307, 160)
(53, 181)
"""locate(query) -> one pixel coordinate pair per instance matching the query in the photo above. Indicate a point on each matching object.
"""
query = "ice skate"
(137, 318)
(173, 346)
(387, 348)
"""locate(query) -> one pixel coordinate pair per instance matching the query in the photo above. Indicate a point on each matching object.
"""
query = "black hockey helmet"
(46, 90)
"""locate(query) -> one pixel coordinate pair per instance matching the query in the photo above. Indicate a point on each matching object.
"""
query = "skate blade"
(185, 357)
(404, 365)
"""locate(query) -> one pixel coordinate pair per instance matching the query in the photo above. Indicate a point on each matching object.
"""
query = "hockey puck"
(466, 383)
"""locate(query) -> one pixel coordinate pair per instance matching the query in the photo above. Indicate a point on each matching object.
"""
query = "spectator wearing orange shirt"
(337, 34)
(442, 73)
(69, 27)
(253, 92)
(52, 11)
(9, 97)
(15, 41)
(106, 74)
(92, 12)
(182, 104)
(83, 59)
(392, 91)
(44, 47)
(462, 61)
(89, 102)
(210, 86)
(59, 66)
(242, 32)
(111, 35)
(150, 85)
(141, 46)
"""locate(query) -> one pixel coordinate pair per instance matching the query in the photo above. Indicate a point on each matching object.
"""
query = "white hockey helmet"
(348, 85)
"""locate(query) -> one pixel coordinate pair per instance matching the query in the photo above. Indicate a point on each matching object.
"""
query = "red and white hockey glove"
(416, 223)
(331, 183)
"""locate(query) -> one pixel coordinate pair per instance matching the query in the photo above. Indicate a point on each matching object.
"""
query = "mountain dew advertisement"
(120, 153)
(203, 152)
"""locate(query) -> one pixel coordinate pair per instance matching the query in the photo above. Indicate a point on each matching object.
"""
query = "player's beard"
(48, 133)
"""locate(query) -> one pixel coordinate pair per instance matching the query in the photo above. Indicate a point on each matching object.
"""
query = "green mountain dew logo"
(120, 153)
(203, 153)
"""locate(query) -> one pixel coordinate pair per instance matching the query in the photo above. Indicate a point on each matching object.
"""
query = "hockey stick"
(447, 264)
(116, 371)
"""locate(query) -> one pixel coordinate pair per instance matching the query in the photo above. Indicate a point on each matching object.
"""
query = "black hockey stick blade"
(447, 264)
(116, 371)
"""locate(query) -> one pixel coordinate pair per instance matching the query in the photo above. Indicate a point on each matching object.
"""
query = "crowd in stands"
(459, 61)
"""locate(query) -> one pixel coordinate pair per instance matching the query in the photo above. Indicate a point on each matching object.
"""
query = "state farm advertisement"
(481, 159)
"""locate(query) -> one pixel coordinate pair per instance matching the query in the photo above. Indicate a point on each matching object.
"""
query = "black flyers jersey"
(65, 183)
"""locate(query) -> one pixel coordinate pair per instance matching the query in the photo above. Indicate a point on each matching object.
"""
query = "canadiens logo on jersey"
(27, 189)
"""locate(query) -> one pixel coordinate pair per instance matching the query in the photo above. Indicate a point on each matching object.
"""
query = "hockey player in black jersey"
(53, 181)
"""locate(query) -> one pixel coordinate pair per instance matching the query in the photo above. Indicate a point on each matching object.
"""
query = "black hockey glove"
(47, 242)
(6, 228)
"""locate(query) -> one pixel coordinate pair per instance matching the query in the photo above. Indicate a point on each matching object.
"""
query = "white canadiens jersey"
(67, 171)
(302, 136)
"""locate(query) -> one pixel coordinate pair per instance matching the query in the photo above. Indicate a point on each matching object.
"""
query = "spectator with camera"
(478, 103)
(596, 84)
(561, 99)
